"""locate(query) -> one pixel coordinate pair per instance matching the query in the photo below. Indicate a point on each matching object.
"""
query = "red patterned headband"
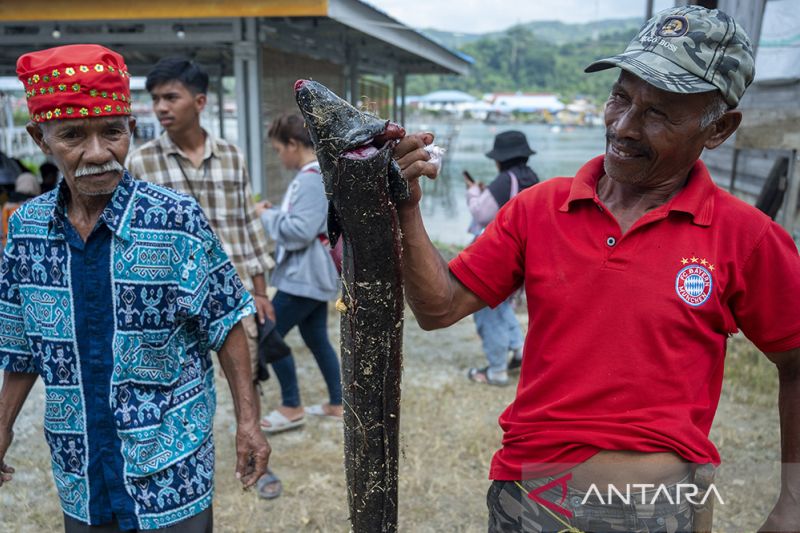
(75, 81)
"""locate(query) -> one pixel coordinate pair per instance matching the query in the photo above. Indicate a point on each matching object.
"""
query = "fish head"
(339, 130)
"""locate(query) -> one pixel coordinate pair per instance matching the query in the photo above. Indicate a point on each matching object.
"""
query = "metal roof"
(321, 29)
(447, 96)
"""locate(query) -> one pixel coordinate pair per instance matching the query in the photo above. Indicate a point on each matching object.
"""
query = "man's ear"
(36, 132)
(131, 125)
(724, 128)
(200, 100)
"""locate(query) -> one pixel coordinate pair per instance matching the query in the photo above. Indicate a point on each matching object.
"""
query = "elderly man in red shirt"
(636, 272)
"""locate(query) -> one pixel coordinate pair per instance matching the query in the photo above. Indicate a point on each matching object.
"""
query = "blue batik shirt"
(119, 328)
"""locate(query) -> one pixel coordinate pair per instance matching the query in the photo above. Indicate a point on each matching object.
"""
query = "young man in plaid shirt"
(188, 159)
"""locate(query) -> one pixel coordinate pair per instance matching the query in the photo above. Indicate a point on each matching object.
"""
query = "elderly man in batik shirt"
(114, 291)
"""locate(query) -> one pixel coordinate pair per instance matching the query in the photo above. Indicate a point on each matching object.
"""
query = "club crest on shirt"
(694, 281)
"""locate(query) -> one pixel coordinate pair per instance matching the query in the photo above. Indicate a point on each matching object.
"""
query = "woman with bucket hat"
(498, 328)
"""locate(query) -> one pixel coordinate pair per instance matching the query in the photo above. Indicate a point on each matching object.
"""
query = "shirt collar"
(696, 198)
(116, 215)
(210, 147)
(309, 165)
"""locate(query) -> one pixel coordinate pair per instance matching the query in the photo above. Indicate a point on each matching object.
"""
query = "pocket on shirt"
(150, 357)
(158, 428)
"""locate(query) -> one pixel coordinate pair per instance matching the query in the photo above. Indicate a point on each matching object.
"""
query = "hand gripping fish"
(363, 184)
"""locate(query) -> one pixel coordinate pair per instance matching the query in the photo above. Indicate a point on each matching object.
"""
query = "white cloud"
(480, 16)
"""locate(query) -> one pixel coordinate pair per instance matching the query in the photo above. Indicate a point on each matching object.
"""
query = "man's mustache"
(627, 144)
(88, 170)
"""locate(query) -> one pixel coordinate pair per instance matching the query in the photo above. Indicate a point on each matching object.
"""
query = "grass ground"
(449, 433)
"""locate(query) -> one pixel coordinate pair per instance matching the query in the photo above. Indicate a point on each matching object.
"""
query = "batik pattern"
(176, 296)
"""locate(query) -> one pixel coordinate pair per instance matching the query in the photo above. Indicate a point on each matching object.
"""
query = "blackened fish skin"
(363, 193)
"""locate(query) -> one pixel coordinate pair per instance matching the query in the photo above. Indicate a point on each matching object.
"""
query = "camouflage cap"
(689, 49)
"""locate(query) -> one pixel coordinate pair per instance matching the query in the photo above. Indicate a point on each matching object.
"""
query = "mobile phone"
(468, 177)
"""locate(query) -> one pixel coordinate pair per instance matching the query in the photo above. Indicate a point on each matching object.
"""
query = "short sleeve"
(215, 293)
(15, 355)
(767, 305)
(493, 266)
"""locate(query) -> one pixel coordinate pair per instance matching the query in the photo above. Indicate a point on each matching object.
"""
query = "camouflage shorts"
(511, 509)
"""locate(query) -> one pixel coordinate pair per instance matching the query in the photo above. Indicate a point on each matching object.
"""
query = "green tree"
(516, 60)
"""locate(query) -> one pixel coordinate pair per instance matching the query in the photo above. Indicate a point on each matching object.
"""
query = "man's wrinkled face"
(653, 136)
(176, 107)
(90, 153)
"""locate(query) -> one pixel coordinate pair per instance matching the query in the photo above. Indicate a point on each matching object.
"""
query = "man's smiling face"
(652, 136)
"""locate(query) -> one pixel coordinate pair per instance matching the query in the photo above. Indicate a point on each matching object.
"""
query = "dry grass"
(449, 433)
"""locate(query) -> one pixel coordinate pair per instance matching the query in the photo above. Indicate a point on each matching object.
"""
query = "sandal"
(275, 422)
(481, 375)
(319, 410)
(269, 486)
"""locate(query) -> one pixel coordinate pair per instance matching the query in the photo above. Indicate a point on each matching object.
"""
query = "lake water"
(444, 207)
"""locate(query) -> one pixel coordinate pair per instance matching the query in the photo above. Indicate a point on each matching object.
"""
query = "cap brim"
(668, 76)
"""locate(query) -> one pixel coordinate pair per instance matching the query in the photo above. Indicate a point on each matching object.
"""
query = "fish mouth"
(368, 135)
(374, 145)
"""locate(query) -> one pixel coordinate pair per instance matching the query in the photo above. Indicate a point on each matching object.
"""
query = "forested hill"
(538, 56)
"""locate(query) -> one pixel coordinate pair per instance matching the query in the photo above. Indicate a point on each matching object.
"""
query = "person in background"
(305, 274)
(498, 328)
(49, 173)
(10, 168)
(636, 270)
(114, 291)
(26, 187)
(188, 159)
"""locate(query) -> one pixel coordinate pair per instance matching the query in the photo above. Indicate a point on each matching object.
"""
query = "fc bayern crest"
(693, 284)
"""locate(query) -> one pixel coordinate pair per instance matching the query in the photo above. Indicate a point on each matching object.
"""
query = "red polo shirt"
(627, 333)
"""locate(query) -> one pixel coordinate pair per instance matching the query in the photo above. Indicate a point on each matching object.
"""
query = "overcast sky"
(480, 16)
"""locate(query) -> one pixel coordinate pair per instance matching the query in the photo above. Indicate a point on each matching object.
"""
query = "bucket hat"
(509, 145)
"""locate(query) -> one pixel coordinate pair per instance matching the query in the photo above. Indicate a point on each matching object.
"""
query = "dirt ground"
(449, 433)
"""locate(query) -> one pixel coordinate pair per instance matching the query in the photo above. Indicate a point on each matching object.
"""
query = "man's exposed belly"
(626, 467)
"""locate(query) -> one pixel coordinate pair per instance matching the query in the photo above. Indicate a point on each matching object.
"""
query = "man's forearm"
(235, 360)
(16, 387)
(259, 284)
(434, 295)
(785, 516)
(789, 409)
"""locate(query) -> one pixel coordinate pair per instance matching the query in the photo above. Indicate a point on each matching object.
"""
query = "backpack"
(336, 250)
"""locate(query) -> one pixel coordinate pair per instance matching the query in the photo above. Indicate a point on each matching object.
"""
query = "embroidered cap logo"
(675, 26)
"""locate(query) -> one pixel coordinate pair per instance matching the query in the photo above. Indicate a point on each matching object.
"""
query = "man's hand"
(410, 154)
(16, 387)
(6, 436)
(263, 308)
(263, 305)
(252, 454)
